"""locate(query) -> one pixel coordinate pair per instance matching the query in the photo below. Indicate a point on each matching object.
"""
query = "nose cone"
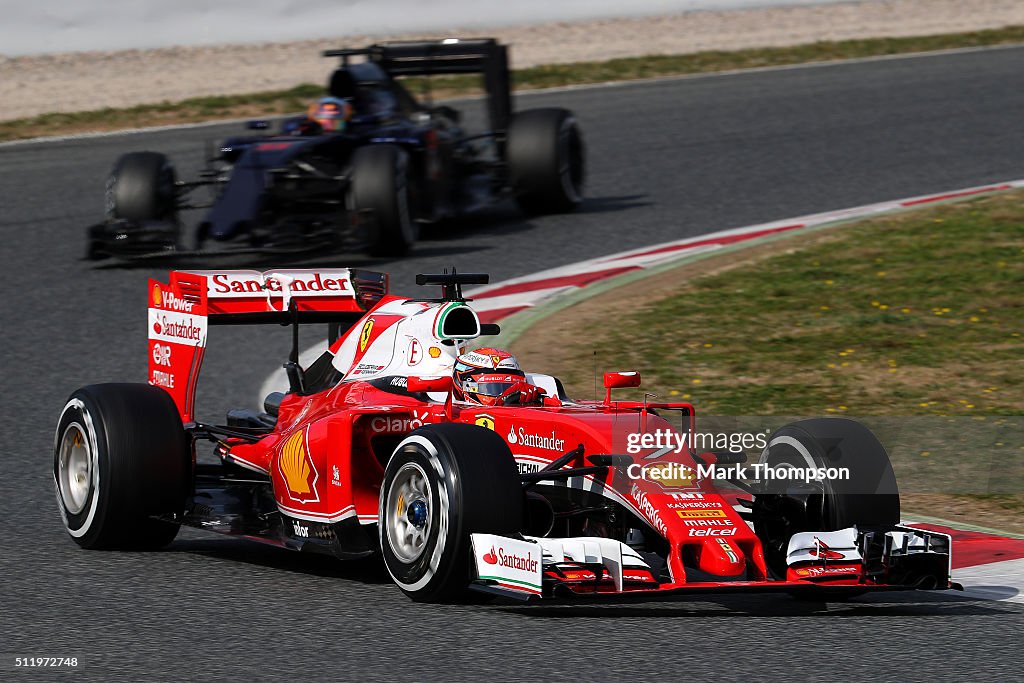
(721, 557)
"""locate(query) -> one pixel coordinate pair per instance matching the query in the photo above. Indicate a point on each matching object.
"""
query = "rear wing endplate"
(181, 311)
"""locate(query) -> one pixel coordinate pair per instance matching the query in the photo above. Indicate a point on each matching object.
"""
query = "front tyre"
(443, 483)
(868, 499)
(120, 457)
(142, 187)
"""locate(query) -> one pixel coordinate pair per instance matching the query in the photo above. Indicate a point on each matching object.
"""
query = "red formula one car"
(393, 443)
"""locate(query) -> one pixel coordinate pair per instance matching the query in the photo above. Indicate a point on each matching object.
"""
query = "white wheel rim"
(409, 487)
(75, 468)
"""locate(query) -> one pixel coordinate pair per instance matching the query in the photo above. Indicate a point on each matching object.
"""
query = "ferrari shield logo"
(485, 421)
(364, 335)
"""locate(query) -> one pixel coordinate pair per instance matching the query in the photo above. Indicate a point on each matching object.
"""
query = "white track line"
(1003, 581)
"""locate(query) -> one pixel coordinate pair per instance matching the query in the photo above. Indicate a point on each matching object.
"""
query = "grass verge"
(918, 315)
(296, 99)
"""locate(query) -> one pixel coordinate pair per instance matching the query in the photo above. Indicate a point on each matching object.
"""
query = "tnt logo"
(162, 355)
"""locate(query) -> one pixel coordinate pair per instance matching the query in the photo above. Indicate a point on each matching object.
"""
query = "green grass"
(912, 323)
(297, 98)
(916, 314)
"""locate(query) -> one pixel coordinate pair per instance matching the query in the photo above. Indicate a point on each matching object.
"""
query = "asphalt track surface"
(668, 159)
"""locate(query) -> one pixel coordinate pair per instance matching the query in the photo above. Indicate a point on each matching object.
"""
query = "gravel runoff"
(93, 80)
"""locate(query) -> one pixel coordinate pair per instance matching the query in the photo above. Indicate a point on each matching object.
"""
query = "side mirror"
(416, 384)
(619, 380)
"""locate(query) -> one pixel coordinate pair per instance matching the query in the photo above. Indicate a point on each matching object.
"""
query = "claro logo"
(398, 424)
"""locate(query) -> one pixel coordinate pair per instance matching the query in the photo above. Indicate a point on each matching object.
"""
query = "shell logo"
(158, 296)
(297, 469)
(434, 352)
(364, 334)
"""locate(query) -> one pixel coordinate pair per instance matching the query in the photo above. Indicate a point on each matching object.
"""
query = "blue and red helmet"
(332, 113)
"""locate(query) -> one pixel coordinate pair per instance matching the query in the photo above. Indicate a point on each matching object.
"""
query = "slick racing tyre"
(868, 499)
(443, 483)
(120, 457)
(142, 188)
(545, 156)
(380, 195)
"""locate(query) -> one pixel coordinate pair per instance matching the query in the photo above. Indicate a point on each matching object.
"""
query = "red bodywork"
(325, 458)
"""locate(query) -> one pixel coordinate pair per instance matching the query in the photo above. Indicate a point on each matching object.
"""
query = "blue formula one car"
(364, 169)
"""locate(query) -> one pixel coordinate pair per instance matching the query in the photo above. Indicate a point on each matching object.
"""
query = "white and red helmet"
(487, 376)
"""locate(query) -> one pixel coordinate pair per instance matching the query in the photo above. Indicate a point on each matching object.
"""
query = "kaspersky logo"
(297, 469)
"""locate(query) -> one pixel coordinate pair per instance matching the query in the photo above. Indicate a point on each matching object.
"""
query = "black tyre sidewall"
(472, 470)
(444, 516)
(141, 188)
(381, 184)
(141, 462)
(869, 499)
(77, 411)
(538, 142)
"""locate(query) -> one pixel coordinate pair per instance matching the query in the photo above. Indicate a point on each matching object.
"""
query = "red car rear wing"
(181, 310)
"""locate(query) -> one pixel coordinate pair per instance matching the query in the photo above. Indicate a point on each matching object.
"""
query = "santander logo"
(513, 561)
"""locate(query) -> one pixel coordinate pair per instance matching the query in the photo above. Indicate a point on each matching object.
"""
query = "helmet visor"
(490, 384)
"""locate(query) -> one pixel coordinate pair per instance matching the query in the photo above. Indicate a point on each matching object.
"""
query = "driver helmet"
(332, 113)
(485, 375)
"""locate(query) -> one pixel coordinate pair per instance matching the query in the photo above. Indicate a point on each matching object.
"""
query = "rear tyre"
(141, 187)
(545, 155)
(443, 483)
(868, 499)
(380, 195)
(120, 457)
